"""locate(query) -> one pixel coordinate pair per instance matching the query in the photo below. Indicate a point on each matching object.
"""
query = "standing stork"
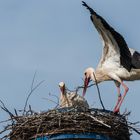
(71, 99)
(118, 62)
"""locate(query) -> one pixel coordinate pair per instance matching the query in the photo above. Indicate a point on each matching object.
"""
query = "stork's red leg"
(119, 99)
(125, 92)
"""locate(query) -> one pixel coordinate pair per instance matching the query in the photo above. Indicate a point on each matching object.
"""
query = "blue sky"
(58, 40)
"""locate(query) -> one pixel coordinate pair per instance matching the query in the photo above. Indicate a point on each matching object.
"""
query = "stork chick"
(71, 99)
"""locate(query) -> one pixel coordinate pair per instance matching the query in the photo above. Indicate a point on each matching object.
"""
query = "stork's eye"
(85, 73)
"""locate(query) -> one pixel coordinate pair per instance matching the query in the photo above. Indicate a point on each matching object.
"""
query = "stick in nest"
(99, 93)
(33, 88)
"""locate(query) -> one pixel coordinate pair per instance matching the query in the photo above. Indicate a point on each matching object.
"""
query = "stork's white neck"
(63, 93)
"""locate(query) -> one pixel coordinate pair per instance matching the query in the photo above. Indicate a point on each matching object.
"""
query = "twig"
(5, 129)
(79, 87)
(101, 122)
(32, 84)
(16, 112)
(32, 90)
(50, 100)
(3, 107)
(5, 121)
(96, 83)
(134, 129)
(56, 98)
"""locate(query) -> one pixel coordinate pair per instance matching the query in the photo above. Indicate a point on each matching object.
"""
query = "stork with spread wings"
(118, 62)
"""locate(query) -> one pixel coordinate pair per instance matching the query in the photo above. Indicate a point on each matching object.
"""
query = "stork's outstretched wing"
(115, 48)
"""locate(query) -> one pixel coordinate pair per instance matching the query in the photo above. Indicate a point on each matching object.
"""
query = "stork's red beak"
(86, 82)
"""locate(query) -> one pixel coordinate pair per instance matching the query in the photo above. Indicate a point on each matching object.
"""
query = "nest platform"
(70, 121)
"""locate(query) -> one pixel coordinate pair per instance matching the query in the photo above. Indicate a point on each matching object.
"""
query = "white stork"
(71, 99)
(118, 62)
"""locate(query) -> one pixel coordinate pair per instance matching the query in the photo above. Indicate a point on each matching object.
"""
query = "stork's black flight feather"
(125, 55)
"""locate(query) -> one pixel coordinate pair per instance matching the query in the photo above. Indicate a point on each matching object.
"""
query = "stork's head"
(88, 75)
(62, 87)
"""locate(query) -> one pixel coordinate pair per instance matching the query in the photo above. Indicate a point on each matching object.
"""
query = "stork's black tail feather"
(89, 8)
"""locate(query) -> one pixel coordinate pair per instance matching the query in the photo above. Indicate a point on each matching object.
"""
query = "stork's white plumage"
(71, 99)
(118, 62)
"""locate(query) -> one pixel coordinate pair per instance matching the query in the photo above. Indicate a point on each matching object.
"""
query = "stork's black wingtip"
(84, 3)
(89, 8)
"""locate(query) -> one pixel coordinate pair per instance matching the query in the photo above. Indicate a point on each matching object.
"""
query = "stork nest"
(59, 121)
